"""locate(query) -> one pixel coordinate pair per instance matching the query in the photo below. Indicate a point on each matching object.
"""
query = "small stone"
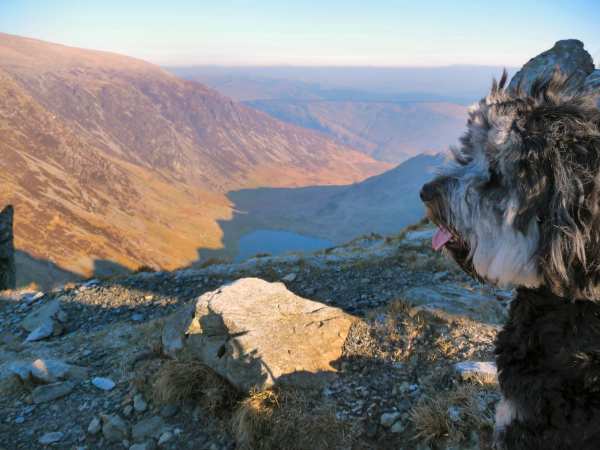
(48, 371)
(289, 278)
(397, 428)
(365, 281)
(164, 438)
(139, 403)
(440, 276)
(483, 370)
(309, 291)
(50, 438)
(43, 394)
(20, 420)
(148, 428)
(148, 297)
(128, 410)
(103, 383)
(138, 318)
(40, 333)
(138, 447)
(62, 317)
(387, 420)
(113, 428)
(95, 427)
(404, 405)
(169, 411)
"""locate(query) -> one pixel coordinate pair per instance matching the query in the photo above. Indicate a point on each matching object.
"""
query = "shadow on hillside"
(47, 275)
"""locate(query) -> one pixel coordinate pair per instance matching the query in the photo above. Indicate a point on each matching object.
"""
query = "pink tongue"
(440, 238)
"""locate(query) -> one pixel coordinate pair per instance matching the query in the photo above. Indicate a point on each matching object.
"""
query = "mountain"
(390, 132)
(387, 125)
(383, 204)
(112, 162)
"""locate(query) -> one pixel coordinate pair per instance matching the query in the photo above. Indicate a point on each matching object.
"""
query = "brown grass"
(143, 269)
(182, 382)
(456, 413)
(393, 239)
(288, 418)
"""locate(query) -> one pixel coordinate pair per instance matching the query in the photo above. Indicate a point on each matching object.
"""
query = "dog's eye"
(494, 180)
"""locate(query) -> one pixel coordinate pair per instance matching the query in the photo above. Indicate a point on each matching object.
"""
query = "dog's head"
(520, 205)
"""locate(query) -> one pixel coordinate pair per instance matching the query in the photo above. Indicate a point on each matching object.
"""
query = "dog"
(520, 206)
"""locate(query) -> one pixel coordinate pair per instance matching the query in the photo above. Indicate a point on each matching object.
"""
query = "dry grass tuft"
(182, 382)
(455, 413)
(288, 418)
(394, 239)
(143, 269)
(399, 306)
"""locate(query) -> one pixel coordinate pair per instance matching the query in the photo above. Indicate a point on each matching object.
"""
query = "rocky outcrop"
(448, 301)
(8, 270)
(258, 334)
(570, 57)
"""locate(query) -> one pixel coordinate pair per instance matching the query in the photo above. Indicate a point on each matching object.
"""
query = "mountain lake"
(277, 243)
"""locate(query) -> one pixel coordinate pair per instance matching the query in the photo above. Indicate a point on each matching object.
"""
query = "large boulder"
(258, 334)
(447, 302)
(8, 270)
(570, 57)
(42, 317)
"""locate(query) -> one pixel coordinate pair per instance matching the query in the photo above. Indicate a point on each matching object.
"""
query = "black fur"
(548, 354)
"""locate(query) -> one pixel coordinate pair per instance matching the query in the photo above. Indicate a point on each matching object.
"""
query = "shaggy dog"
(520, 206)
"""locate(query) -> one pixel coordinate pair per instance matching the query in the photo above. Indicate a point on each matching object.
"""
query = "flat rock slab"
(49, 392)
(471, 369)
(44, 315)
(40, 333)
(103, 383)
(258, 334)
(50, 438)
(148, 428)
(447, 302)
(114, 428)
(48, 371)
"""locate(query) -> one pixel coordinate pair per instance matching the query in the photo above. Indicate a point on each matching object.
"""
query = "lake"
(277, 243)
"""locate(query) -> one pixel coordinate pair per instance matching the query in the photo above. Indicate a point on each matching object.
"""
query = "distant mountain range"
(369, 109)
(112, 162)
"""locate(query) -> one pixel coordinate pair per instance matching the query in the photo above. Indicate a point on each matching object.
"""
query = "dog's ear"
(562, 147)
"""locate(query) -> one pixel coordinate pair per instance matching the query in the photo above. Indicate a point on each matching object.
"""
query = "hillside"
(112, 162)
(389, 131)
(382, 204)
(389, 124)
(398, 366)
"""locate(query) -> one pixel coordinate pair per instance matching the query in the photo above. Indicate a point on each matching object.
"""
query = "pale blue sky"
(310, 32)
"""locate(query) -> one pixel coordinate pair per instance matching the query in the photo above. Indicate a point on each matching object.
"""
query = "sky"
(380, 33)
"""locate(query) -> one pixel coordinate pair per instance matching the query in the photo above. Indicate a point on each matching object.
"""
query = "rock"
(404, 405)
(164, 438)
(397, 428)
(447, 301)
(568, 54)
(40, 333)
(387, 420)
(49, 392)
(289, 278)
(42, 316)
(440, 276)
(113, 428)
(50, 438)
(138, 318)
(103, 383)
(128, 410)
(62, 317)
(139, 447)
(8, 268)
(148, 428)
(483, 370)
(48, 371)
(95, 426)
(365, 281)
(170, 411)
(139, 403)
(256, 333)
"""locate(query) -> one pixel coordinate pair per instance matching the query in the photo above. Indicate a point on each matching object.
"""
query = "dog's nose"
(428, 191)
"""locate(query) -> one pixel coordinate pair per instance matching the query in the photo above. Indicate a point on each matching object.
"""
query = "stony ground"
(392, 362)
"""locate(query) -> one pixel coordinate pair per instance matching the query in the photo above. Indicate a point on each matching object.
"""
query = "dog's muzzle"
(428, 192)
